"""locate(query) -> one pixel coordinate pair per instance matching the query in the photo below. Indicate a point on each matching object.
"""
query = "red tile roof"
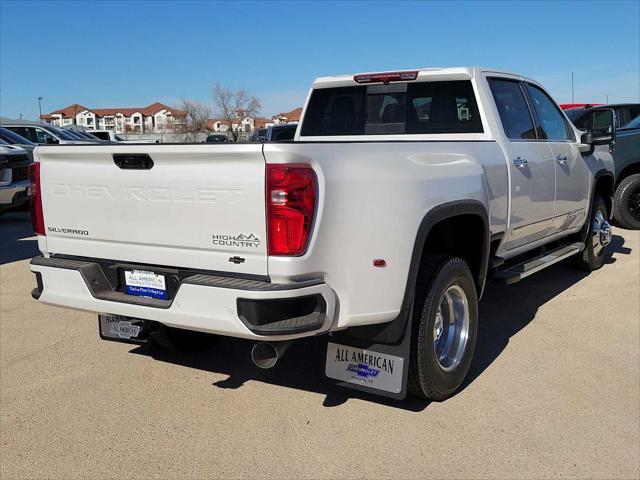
(109, 112)
(292, 116)
(156, 107)
(70, 111)
(261, 122)
(73, 110)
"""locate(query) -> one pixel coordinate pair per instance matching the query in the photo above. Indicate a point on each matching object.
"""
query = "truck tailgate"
(197, 206)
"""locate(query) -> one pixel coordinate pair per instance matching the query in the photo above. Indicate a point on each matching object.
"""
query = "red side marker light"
(380, 263)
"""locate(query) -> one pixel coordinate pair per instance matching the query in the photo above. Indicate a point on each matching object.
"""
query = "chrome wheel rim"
(601, 233)
(451, 328)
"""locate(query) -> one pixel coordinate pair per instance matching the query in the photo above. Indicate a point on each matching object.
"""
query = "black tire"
(427, 378)
(180, 340)
(592, 257)
(626, 203)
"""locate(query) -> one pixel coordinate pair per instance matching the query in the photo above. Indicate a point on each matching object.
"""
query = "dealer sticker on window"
(364, 367)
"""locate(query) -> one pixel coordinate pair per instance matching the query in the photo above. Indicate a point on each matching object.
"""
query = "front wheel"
(626, 203)
(445, 327)
(598, 237)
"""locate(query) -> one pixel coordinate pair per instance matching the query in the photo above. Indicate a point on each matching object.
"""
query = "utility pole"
(607, 102)
(573, 98)
(40, 107)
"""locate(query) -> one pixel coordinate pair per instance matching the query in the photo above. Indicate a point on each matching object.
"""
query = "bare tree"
(232, 107)
(195, 118)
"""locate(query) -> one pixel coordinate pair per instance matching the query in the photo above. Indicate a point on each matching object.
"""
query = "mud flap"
(363, 359)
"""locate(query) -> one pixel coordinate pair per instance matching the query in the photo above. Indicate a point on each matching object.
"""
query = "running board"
(515, 273)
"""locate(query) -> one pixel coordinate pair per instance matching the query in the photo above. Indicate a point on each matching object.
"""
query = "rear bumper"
(234, 307)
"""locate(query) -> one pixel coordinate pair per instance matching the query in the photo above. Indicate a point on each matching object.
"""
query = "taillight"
(37, 219)
(291, 204)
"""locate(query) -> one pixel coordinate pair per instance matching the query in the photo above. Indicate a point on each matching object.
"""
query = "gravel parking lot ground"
(554, 392)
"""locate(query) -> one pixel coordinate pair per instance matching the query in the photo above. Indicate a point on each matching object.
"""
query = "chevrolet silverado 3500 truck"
(401, 194)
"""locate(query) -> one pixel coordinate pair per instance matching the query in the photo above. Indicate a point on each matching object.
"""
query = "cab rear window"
(394, 109)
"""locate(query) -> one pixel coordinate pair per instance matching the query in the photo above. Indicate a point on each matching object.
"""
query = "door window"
(43, 137)
(551, 120)
(28, 133)
(625, 114)
(622, 116)
(512, 107)
(634, 112)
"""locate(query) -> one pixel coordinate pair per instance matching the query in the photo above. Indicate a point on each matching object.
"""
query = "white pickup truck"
(378, 225)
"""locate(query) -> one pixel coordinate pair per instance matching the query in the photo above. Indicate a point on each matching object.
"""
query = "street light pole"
(573, 98)
(40, 107)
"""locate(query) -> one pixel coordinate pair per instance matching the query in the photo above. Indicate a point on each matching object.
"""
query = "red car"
(566, 106)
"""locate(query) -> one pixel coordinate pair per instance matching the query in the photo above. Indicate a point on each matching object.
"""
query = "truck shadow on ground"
(507, 309)
(504, 311)
(15, 237)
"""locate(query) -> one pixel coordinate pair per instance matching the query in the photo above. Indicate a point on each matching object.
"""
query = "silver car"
(14, 176)
(16, 140)
(44, 134)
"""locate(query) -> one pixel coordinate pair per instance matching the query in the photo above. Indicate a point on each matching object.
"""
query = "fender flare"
(393, 331)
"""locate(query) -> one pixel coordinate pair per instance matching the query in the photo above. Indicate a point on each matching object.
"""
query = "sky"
(131, 54)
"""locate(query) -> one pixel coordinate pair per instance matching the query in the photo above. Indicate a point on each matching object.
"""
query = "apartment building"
(154, 118)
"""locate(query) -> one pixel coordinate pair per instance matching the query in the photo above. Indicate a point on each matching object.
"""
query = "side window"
(442, 107)
(45, 137)
(622, 116)
(514, 112)
(581, 121)
(31, 134)
(551, 119)
(41, 135)
(336, 111)
(27, 133)
(634, 112)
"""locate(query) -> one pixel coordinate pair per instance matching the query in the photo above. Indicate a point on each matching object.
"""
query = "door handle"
(520, 162)
(561, 158)
(133, 161)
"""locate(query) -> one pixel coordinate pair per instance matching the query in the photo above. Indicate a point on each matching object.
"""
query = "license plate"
(117, 327)
(364, 367)
(145, 284)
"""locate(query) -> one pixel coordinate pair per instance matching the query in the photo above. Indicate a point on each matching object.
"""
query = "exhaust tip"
(265, 355)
